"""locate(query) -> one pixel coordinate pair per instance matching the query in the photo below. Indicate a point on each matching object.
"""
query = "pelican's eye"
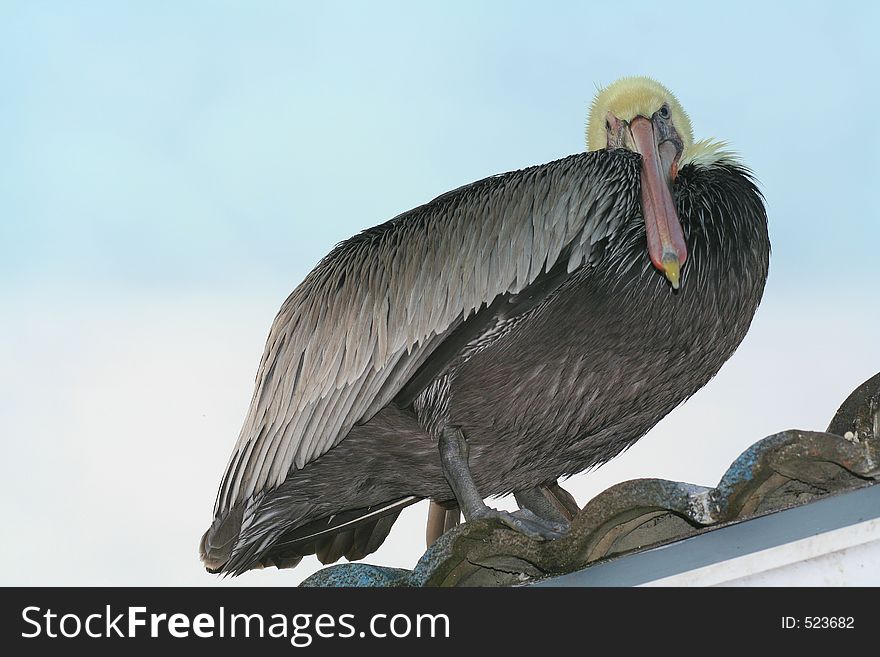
(663, 112)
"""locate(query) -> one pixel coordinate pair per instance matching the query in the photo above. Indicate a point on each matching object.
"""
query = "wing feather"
(359, 326)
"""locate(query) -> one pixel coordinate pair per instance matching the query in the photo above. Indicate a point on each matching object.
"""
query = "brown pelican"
(516, 330)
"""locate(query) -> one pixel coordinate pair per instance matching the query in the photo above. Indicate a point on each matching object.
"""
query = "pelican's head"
(642, 115)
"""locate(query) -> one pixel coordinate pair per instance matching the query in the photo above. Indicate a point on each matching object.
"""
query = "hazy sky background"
(171, 170)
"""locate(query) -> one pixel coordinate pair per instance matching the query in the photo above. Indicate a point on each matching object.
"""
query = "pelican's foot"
(526, 522)
(454, 459)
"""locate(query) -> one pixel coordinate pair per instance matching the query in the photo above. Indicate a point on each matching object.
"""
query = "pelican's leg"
(440, 520)
(535, 501)
(454, 459)
(550, 502)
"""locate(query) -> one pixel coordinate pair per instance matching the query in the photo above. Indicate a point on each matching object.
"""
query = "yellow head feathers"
(630, 97)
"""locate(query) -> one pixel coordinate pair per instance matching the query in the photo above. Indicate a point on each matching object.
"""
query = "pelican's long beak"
(666, 245)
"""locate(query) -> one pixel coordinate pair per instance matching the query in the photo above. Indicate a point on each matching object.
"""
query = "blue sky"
(207, 144)
(171, 170)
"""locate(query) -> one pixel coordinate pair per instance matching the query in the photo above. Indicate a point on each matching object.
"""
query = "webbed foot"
(525, 522)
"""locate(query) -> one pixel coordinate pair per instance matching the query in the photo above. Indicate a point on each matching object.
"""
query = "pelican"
(513, 331)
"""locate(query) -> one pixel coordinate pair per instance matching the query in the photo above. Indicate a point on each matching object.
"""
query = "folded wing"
(351, 336)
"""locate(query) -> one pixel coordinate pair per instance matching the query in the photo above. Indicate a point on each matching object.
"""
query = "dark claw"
(526, 523)
(558, 527)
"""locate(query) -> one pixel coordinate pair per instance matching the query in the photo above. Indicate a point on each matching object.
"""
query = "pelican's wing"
(359, 326)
